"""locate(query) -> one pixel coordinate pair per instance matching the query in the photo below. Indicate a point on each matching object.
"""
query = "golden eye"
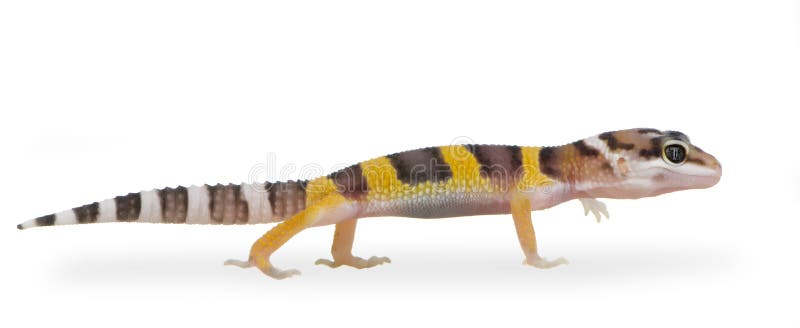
(674, 152)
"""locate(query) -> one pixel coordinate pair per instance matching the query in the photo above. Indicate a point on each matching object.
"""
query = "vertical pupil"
(675, 153)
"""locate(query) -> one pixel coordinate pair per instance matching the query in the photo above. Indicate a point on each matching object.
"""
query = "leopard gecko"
(433, 182)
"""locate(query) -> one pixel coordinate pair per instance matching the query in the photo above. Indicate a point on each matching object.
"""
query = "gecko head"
(636, 163)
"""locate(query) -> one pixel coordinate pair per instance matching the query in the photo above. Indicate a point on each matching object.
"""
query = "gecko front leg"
(521, 212)
(595, 206)
(342, 249)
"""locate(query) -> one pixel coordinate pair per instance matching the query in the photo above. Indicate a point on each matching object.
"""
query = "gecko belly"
(440, 206)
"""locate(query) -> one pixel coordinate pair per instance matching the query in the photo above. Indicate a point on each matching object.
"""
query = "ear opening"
(622, 164)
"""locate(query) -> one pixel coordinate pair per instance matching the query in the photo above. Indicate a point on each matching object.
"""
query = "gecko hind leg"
(342, 249)
(521, 212)
(329, 207)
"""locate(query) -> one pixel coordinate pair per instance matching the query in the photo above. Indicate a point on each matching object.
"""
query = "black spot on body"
(350, 182)
(87, 213)
(547, 162)
(584, 149)
(41, 221)
(420, 165)
(607, 167)
(516, 157)
(128, 206)
(496, 161)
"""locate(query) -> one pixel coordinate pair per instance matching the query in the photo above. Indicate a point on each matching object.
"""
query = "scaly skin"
(434, 182)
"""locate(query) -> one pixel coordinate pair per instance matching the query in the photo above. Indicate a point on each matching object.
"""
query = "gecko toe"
(354, 261)
(238, 263)
(279, 274)
(543, 263)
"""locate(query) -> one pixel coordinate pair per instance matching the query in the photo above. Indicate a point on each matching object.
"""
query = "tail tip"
(19, 227)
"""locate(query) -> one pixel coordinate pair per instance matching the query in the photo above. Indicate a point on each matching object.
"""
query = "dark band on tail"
(174, 204)
(46, 220)
(286, 198)
(87, 213)
(128, 206)
(227, 205)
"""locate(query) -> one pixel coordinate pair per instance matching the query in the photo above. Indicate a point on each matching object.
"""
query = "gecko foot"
(280, 274)
(355, 262)
(542, 263)
(270, 270)
(595, 206)
(238, 263)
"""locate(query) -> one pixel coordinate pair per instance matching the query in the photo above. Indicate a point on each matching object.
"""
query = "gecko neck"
(551, 195)
(577, 171)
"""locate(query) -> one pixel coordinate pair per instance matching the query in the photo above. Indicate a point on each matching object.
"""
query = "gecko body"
(433, 182)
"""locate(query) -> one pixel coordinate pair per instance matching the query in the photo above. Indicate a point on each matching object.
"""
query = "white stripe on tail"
(192, 205)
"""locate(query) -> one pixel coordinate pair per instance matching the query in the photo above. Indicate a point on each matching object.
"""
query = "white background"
(100, 98)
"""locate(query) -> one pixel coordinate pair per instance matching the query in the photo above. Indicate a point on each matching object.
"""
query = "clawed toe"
(269, 270)
(596, 207)
(355, 262)
(280, 274)
(238, 263)
(543, 263)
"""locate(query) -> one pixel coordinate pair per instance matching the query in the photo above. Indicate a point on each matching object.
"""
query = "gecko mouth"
(696, 180)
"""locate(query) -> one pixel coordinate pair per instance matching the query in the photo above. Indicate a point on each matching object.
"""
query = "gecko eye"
(674, 152)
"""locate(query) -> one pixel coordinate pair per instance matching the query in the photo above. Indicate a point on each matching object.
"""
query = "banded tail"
(218, 204)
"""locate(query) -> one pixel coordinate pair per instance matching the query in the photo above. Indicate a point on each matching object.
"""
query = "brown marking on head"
(695, 160)
(620, 156)
(630, 163)
(613, 142)
(648, 130)
(653, 150)
(699, 157)
(677, 135)
(654, 146)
